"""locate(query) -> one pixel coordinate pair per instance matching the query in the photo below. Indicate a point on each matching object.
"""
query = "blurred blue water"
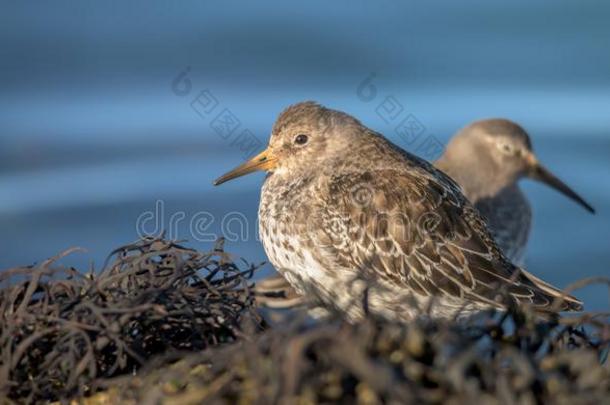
(92, 134)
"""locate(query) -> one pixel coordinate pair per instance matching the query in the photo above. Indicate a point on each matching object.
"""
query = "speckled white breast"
(285, 244)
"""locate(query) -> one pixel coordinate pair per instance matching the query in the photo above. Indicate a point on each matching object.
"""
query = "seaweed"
(162, 323)
(509, 358)
(62, 330)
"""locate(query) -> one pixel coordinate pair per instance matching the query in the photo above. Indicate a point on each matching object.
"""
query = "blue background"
(92, 133)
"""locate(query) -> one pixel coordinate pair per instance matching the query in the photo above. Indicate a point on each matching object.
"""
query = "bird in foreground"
(487, 159)
(358, 225)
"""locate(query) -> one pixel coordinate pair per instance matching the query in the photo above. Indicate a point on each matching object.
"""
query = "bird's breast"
(285, 223)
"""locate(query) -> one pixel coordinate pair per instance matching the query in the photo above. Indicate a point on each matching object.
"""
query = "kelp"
(162, 323)
(61, 330)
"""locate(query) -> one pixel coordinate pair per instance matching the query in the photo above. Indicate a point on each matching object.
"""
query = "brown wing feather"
(415, 229)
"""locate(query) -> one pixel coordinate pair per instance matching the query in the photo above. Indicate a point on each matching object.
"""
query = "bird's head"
(304, 136)
(503, 151)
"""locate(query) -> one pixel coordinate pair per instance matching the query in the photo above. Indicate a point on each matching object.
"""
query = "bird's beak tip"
(262, 161)
(542, 174)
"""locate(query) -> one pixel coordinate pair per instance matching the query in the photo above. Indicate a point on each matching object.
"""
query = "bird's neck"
(476, 180)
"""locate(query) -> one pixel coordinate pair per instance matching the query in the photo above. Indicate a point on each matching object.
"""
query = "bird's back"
(506, 210)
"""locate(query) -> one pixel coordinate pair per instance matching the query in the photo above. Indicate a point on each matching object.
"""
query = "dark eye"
(301, 139)
(506, 148)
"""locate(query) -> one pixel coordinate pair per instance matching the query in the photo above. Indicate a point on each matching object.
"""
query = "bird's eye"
(301, 139)
(506, 148)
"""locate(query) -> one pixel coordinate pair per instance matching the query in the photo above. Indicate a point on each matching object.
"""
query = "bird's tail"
(562, 300)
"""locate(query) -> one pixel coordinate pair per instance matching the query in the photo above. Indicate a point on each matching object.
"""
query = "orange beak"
(263, 161)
